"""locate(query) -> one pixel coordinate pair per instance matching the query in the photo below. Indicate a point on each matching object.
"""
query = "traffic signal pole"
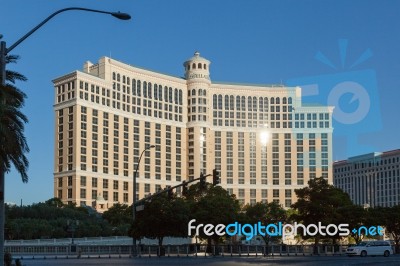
(168, 189)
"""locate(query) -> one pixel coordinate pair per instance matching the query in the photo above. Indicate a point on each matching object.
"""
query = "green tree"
(49, 220)
(212, 205)
(55, 202)
(120, 217)
(391, 222)
(162, 217)
(320, 202)
(355, 216)
(13, 145)
(118, 214)
(266, 213)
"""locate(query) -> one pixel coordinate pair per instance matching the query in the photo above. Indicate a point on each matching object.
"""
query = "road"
(220, 261)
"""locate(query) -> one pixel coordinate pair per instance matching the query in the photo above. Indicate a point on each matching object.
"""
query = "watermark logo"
(353, 93)
(279, 229)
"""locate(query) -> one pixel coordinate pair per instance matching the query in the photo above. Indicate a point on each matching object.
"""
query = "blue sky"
(246, 41)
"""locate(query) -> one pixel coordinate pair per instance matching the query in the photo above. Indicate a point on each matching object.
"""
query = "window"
(83, 193)
(94, 182)
(83, 181)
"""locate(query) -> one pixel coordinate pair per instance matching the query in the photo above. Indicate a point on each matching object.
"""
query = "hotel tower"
(264, 141)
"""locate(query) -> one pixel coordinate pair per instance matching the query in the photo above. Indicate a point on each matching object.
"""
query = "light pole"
(4, 51)
(134, 197)
(71, 228)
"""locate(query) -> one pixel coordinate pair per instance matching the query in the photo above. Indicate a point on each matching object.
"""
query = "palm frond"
(12, 58)
(13, 144)
(13, 76)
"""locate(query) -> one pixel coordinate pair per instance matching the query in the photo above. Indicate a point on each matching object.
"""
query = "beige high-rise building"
(371, 179)
(262, 139)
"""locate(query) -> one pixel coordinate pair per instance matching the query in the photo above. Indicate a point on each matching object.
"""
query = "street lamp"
(71, 228)
(4, 51)
(134, 196)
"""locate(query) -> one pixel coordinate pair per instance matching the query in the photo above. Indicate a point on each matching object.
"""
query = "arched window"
(180, 97)
(254, 103)
(123, 79)
(265, 104)
(113, 75)
(144, 89)
(193, 92)
(118, 77)
(232, 102)
(226, 102)
(139, 91)
(188, 67)
(215, 103)
(128, 81)
(272, 100)
(290, 100)
(199, 65)
(261, 104)
(277, 101)
(220, 102)
(205, 66)
(204, 93)
(200, 92)
(166, 93)
(284, 100)
(170, 95)
(133, 86)
(243, 103)
(176, 96)
(194, 66)
(238, 103)
(155, 92)
(160, 98)
(149, 92)
(249, 103)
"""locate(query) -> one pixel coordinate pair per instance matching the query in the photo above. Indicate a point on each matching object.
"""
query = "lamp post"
(71, 228)
(4, 51)
(134, 197)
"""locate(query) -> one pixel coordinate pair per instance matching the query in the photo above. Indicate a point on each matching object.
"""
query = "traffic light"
(202, 181)
(170, 192)
(215, 177)
(184, 188)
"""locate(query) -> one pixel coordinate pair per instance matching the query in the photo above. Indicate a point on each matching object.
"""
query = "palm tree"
(13, 145)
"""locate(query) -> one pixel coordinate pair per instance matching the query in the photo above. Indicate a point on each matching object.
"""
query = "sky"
(343, 53)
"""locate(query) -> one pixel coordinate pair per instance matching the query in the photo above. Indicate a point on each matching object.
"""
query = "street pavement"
(221, 261)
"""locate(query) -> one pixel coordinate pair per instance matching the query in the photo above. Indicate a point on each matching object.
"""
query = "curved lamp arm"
(123, 16)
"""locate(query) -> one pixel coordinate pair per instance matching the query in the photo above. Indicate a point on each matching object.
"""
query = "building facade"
(371, 179)
(262, 139)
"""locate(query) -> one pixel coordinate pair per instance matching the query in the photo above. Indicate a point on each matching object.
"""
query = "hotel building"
(264, 141)
(371, 179)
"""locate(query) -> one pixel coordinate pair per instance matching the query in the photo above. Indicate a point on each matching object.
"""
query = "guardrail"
(195, 250)
(109, 240)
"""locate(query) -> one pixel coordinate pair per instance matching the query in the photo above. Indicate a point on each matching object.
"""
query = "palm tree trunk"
(2, 217)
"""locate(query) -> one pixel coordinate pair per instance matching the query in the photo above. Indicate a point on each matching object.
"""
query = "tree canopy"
(320, 202)
(267, 213)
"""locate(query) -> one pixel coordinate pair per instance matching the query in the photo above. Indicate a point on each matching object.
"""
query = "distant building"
(262, 139)
(371, 179)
